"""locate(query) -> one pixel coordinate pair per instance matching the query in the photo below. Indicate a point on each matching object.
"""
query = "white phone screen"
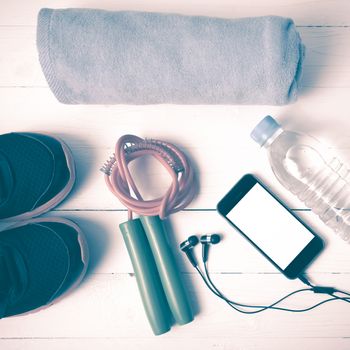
(270, 226)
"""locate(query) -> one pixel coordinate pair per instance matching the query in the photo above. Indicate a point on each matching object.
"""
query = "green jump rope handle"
(148, 281)
(167, 268)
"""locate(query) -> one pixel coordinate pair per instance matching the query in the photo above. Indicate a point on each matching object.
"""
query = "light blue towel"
(101, 57)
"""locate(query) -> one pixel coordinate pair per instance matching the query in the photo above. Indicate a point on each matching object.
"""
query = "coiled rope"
(120, 182)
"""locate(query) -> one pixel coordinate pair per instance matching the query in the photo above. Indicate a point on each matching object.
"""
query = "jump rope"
(121, 183)
(155, 269)
(158, 277)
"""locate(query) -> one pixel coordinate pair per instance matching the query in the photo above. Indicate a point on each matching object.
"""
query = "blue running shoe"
(36, 173)
(41, 260)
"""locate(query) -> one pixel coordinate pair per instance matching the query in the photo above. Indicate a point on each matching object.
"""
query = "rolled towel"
(102, 57)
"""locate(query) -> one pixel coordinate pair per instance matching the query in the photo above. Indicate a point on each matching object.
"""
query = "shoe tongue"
(13, 277)
(6, 179)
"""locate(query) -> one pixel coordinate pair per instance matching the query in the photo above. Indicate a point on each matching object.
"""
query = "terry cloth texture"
(101, 57)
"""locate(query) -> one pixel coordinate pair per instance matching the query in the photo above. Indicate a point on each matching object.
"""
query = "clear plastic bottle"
(308, 169)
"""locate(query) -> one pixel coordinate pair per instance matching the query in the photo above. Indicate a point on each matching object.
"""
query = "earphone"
(207, 240)
(192, 241)
(187, 246)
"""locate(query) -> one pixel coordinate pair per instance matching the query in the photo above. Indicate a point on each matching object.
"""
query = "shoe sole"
(85, 257)
(53, 202)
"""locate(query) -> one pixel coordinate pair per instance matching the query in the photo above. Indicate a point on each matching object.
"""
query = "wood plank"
(108, 306)
(326, 63)
(320, 13)
(233, 255)
(106, 312)
(216, 138)
(161, 343)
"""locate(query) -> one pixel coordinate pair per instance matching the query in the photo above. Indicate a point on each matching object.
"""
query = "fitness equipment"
(157, 275)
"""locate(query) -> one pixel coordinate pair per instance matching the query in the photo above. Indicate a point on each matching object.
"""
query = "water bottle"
(309, 170)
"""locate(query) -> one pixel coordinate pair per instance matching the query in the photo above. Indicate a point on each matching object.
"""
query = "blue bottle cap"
(264, 130)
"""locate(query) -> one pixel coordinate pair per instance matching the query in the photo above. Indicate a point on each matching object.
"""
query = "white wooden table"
(105, 312)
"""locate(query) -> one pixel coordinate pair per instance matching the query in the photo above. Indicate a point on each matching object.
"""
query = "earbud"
(186, 247)
(206, 240)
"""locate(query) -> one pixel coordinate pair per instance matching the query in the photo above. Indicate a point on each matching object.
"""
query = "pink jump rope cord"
(121, 183)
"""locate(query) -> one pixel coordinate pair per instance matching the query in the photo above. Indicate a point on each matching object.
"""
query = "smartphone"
(288, 243)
